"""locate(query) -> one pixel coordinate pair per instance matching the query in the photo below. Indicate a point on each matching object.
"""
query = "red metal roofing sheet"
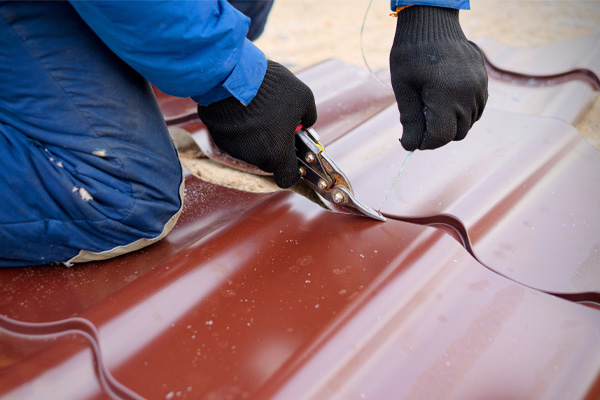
(271, 296)
(244, 302)
(554, 59)
(527, 189)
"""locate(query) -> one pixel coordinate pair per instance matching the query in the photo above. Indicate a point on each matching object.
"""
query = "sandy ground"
(300, 33)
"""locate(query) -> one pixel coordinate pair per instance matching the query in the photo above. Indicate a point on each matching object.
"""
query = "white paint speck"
(85, 195)
(169, 395)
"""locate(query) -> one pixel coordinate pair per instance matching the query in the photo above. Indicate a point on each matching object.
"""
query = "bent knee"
(51, 240)
(151, 220)
(155, 202)
(57, 206)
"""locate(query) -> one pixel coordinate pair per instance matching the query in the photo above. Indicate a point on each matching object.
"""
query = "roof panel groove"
(271, 296)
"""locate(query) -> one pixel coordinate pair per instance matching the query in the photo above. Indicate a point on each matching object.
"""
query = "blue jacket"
(461, 4)
(192, 49)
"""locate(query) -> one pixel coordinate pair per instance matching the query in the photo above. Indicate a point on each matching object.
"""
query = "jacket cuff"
(459, 4)
(244, 80)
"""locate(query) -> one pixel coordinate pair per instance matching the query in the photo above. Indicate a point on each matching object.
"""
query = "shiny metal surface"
(524, 188)
(262, 296)
(248, 306)
(581, 55)
(558, 81)
(521, 190)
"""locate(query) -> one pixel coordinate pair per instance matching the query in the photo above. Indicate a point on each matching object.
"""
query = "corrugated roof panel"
(526, 189)
(271, 296)
(248, 308)
(555, 59)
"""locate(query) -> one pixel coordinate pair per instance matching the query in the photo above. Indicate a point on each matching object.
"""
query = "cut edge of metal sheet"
(456, 229)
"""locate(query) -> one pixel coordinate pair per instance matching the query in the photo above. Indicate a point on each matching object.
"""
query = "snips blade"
(323, 175)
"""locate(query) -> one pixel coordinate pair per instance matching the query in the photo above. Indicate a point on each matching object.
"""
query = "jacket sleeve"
(461, 4)
(192, 49)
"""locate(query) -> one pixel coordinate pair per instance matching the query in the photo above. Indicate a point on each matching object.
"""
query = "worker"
(88, 170)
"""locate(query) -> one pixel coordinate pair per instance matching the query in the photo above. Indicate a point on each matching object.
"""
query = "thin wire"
(387, 193)
(389, 89)
(362, 50)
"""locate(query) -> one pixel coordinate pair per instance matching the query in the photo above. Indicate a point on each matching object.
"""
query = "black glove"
(438, 76)
(263, 132)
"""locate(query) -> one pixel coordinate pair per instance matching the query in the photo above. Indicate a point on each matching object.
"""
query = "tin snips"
(323, 175)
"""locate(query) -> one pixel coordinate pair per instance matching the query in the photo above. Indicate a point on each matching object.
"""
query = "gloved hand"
(438, 76)
(263, 132)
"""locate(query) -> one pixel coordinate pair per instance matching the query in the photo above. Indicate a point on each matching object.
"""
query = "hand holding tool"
(262, 133)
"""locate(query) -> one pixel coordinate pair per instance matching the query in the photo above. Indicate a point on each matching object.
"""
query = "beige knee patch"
(86, 256)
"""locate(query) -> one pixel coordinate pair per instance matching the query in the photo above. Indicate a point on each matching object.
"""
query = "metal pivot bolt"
(338, 197)
(302, 171)
(310, 158)
(322, 184)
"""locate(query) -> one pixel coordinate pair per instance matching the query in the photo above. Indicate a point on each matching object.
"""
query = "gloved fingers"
(480, 104)
(441, 125)
(463, 124)
(310, 113)
(477, 112)
(412, 118)
(480, 76)
(286, 178)
(478, 49)
(287, 172)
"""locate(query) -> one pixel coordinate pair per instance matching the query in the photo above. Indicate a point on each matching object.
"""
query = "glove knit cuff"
(419, 24)
(231, 109)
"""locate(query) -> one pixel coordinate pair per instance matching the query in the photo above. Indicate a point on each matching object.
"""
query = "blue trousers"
(87, 167)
